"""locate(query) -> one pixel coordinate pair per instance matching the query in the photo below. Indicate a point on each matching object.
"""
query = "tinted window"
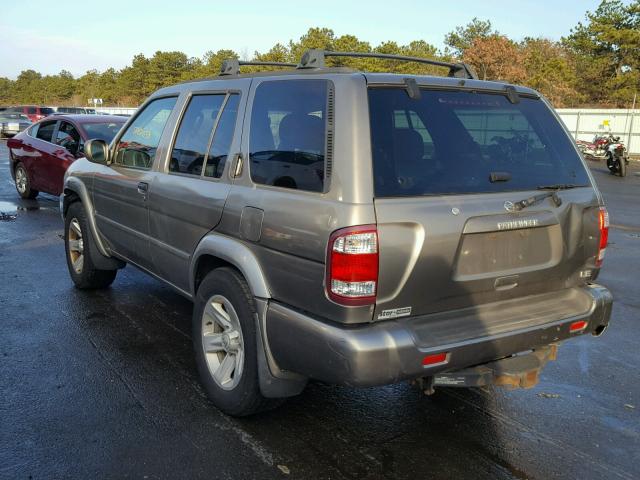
(287, 136)
(103, 131)
(68, 137)
(47, 111)
(31, 110)
(137, 147)
(45, 131)
(450, 142)
(222, 138)
(194, 134)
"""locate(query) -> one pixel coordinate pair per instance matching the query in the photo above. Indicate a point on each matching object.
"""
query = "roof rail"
(232, 65)
(315, 59)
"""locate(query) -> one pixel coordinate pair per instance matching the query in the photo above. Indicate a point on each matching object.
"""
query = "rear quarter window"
(45, 131)
(288, 134)
(449, 142)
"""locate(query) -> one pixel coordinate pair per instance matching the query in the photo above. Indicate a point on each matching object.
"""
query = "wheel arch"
(74, 190)
(215, 251)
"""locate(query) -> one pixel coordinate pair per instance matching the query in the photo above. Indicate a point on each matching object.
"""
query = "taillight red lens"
(352, 265)
(603, 220)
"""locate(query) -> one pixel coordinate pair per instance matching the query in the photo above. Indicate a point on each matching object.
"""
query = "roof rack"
(232, 65)
(315, 59)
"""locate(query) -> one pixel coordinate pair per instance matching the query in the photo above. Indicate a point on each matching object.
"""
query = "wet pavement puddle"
(9, 210)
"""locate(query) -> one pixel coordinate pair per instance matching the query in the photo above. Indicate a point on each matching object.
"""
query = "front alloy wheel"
(76, 245)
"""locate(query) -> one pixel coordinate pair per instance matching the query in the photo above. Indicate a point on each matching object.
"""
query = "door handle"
(143, 188)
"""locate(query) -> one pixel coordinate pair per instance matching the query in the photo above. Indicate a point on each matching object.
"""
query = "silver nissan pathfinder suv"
(348, 227)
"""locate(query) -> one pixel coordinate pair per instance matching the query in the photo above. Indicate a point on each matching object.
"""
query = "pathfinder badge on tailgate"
(520, 223)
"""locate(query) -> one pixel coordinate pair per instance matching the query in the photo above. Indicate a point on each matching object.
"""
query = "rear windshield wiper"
(553, 193)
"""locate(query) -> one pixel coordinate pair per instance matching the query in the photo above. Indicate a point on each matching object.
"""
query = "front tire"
(225, 343)
(79, 246)
(23, 183)
(622, 166)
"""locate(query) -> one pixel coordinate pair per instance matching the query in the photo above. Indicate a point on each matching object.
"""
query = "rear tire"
(225, 344)
(79, 245)
(23, 183)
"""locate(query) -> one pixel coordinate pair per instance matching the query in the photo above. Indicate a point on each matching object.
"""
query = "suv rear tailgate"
(449, 235)
(432, 260)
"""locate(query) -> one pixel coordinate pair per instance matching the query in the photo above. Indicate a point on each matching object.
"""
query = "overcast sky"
(79, 35)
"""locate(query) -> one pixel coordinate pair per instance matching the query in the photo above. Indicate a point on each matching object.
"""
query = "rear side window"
(449, 142)
(194, 135)
(288, 134)
(31, 110)
(137, 146)
(222, 138)
(45, 131)
(47, 111)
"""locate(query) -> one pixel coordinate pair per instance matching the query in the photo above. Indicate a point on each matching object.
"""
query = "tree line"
(597, 64)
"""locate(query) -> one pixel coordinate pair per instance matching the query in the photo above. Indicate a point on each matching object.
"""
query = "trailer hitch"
(518, 371)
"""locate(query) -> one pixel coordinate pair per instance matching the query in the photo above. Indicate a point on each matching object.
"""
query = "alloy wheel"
(76, 245)
(222, 342)
(21, 180)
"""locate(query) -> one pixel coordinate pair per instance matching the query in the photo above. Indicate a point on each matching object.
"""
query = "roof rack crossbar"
(232, 66)
(315, 59)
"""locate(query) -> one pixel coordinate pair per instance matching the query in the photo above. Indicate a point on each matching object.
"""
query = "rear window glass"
(450, 142)
(288, 134)
(223, 136)
(103, 131)
(47, 110)
(190, 148)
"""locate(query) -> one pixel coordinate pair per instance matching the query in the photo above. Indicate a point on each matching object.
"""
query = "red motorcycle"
(609, 148)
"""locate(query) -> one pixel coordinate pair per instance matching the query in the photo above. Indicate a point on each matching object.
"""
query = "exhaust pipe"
(599, 330)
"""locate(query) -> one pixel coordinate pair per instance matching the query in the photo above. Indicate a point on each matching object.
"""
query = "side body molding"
(78, 187)
(236, 253)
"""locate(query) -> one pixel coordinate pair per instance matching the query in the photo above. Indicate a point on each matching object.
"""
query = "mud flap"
(274, 383)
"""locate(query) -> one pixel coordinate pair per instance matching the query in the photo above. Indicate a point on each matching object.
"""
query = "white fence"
(584, 123)
(117, 110)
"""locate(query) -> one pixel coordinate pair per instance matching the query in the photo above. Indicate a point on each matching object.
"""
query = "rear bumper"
(391, 351)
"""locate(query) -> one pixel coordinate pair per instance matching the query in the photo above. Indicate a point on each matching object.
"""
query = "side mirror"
(97, 151)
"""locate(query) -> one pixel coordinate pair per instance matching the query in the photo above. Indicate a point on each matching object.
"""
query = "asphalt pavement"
(103, 385)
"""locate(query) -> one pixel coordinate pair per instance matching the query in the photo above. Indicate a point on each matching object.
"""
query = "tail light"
(603, 221)
(352, 265)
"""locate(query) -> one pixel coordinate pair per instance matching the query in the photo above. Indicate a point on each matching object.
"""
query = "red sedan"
(40, 155)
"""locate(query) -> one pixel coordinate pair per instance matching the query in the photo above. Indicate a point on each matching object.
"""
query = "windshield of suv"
(103, 131)
(451, 142)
